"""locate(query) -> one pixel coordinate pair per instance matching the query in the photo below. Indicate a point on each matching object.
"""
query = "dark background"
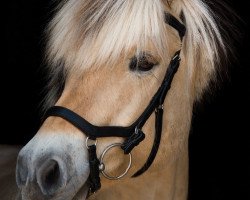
(219, 139)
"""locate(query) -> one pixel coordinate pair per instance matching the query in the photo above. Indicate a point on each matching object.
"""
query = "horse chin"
(82, 194)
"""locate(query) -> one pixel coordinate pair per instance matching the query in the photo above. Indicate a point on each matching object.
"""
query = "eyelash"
(141, 63)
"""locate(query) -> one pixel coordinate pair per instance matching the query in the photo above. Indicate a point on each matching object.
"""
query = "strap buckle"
(176, 56)
(131, 142)
(160, 107)
(90, 142)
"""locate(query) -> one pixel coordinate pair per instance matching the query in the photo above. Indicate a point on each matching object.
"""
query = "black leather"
(176, 24)
(94, 178)
(156, 144)
(92, 131)
(132, 141)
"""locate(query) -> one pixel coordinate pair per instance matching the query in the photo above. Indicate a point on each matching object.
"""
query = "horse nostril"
(51, 177)
(53, 174)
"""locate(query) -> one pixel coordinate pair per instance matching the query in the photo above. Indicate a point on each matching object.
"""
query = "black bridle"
(132, 133)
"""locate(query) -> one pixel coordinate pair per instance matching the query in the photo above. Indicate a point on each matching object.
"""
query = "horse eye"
(142, 62)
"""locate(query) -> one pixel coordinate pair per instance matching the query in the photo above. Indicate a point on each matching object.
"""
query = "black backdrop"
(219, 140)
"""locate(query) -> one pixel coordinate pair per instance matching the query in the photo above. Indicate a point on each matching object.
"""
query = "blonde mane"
(88, 33)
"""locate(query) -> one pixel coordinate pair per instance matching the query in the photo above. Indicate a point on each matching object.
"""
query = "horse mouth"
(83, 193)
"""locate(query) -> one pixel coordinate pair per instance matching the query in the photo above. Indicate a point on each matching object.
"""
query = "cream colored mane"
(86, 34)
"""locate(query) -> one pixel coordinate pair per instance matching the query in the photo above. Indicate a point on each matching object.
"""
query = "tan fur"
(100, 87)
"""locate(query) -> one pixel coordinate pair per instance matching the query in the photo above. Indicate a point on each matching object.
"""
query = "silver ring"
(102, 168)
(88, 144)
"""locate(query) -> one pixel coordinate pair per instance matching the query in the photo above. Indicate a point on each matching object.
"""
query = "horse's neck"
(169, 184)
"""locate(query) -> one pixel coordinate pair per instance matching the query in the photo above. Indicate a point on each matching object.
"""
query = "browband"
(132, 133)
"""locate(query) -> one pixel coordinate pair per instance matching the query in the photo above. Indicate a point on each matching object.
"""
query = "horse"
(112, 64)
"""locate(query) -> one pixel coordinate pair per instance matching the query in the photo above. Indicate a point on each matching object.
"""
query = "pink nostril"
(51, 176)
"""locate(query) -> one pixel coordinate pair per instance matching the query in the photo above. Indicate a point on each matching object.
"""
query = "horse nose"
(50, 174)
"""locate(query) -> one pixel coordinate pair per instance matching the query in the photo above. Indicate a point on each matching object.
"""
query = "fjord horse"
(111, 65)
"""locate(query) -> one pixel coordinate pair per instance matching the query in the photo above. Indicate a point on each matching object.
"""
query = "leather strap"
(86, 127)
(156, 144)
(94, 178)
(176, 24)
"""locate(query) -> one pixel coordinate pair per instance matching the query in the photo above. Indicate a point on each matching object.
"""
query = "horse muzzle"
(46, 171)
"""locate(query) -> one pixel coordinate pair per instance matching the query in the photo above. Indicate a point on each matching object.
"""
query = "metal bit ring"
(102, 165)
